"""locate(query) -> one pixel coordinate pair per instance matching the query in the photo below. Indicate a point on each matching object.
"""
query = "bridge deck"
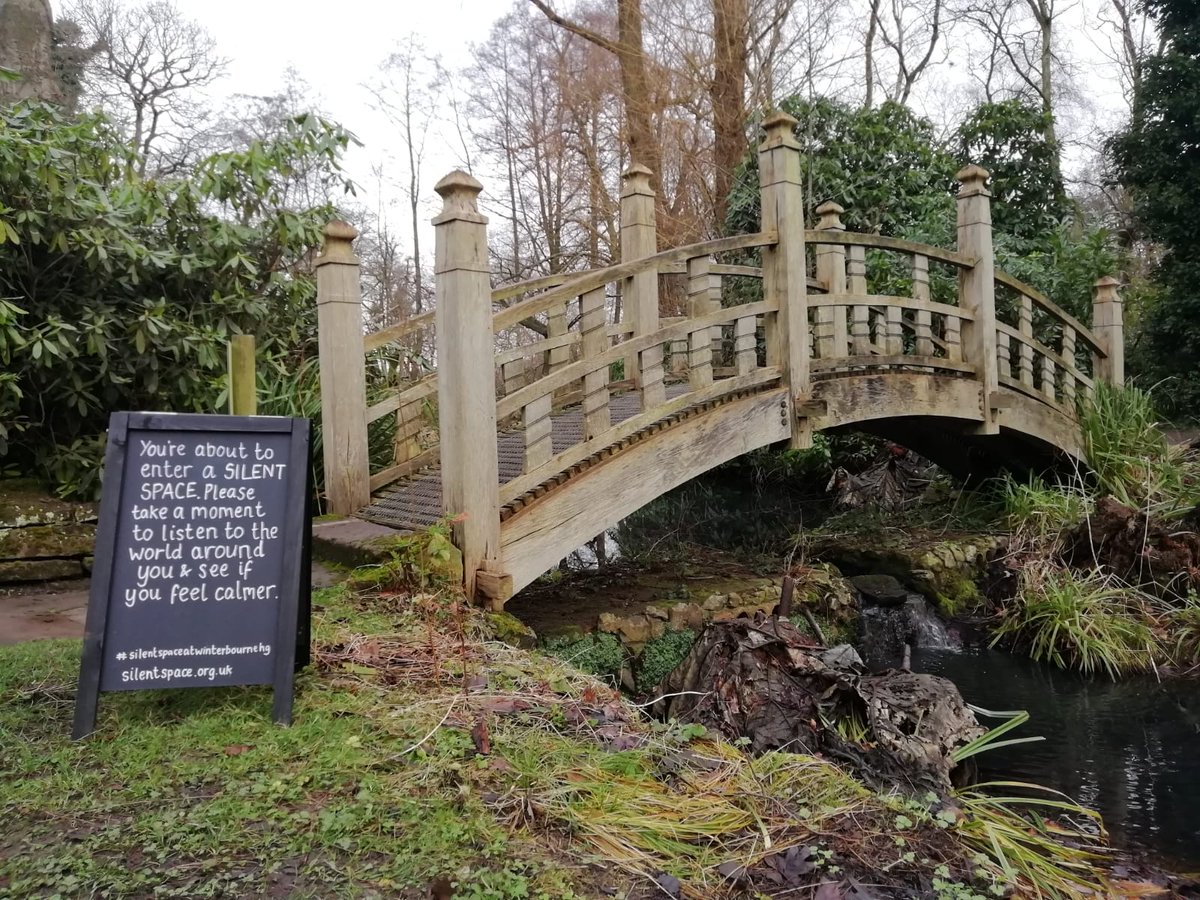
(416, 502)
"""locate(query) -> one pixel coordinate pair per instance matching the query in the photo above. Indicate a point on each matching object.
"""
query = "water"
(886, 629)
(1130, 750)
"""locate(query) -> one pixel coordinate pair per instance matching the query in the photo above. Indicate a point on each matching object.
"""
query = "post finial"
(779, 127)
(339, 240)
(831, 216)
(459, 192)
(974, 181)
(636, 180)
(1108, 281)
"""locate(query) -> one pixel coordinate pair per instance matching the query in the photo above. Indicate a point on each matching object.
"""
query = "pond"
(1128, 749)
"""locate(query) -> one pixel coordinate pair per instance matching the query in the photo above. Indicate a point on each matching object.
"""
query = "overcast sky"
(337, 48)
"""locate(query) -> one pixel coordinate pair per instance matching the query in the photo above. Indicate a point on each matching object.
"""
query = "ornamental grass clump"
(1130, 456)
(1079, 620)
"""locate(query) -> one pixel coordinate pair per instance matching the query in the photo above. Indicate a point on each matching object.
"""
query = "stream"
(1128, 749)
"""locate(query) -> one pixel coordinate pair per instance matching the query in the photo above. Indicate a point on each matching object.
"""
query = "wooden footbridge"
(555, 419)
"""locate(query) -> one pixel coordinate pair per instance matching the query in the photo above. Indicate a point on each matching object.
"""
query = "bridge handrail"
(589, 281)
(1053, 309)
(881, 242)
(560, 378)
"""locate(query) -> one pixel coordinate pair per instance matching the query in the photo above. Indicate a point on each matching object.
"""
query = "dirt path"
(58, 609)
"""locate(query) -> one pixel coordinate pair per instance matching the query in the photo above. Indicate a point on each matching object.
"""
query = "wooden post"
(833, 336)
(977, 287)
(1108, 323)
(466, 380)
(343, 373)
(243, 381)
(785, 272)
(640, 293)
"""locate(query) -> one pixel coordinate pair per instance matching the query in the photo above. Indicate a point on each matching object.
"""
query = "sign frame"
(293, 627)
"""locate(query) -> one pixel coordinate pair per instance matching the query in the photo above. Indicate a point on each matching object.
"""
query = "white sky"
(338, 49)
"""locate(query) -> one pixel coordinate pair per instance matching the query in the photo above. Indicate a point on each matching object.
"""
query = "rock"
(715, 602)
(657, 629)
(683, 616)
(512, 631)
(635, 629)
(39, 570)
(882, 589)
(656, 612)
(608, 623)
(843, 656)
(47, 541)
(628, 682)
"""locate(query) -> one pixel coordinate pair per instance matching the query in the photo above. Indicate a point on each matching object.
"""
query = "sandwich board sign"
(201, 576)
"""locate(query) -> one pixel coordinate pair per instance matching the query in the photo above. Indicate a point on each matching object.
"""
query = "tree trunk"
(728, 92)
(635, 91)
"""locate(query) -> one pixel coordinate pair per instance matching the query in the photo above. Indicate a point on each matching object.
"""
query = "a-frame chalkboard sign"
(202, 563)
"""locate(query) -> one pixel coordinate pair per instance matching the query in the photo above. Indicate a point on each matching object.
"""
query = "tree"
(408, 94)
(149, 66)
(120, 292)
(1155, 159)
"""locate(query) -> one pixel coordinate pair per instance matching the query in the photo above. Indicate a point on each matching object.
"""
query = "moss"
(597, 654)
(955, 593)
(508, 629)
(661, 655)
(422, 560)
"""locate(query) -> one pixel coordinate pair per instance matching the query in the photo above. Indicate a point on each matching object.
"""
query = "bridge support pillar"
(343, 373)
(640, 292)
(1108, 323)
(785, 269)
(977, 288)
(466, 383)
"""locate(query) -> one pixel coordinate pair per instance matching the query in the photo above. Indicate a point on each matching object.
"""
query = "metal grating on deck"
(416, 502)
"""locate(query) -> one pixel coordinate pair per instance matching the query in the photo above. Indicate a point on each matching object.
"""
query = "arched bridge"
(566, 403)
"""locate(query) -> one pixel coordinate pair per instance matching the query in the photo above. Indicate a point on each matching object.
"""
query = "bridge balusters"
(856, 278)
(513, 375)
(703, 297)
(1025, 326)
(923, 319)
(1068, 353)
(1049, 376)
(1004, 354)
(593, 322)
(745, 344)
(538, 428)
(895, 331)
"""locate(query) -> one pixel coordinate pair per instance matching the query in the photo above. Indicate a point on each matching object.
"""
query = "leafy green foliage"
(1155, 160)
(597, 654)
(660, 657)
(119, 293)
(884, 165)
(1008, 139)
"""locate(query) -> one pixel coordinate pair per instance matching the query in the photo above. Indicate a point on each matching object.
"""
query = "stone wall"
(42, 538)
(26, 47)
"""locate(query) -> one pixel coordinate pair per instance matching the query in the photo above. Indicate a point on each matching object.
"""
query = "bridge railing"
(512, 356)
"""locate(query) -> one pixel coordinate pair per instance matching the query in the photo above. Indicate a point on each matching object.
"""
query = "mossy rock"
(24, 503)
(47, 541)
(510, 630)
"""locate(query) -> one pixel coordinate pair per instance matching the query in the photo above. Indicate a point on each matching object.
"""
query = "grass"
(423, 750)
(1130, 456)
(1081, 620)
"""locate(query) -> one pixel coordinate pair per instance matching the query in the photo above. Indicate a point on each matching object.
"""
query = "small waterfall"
(886, 629)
